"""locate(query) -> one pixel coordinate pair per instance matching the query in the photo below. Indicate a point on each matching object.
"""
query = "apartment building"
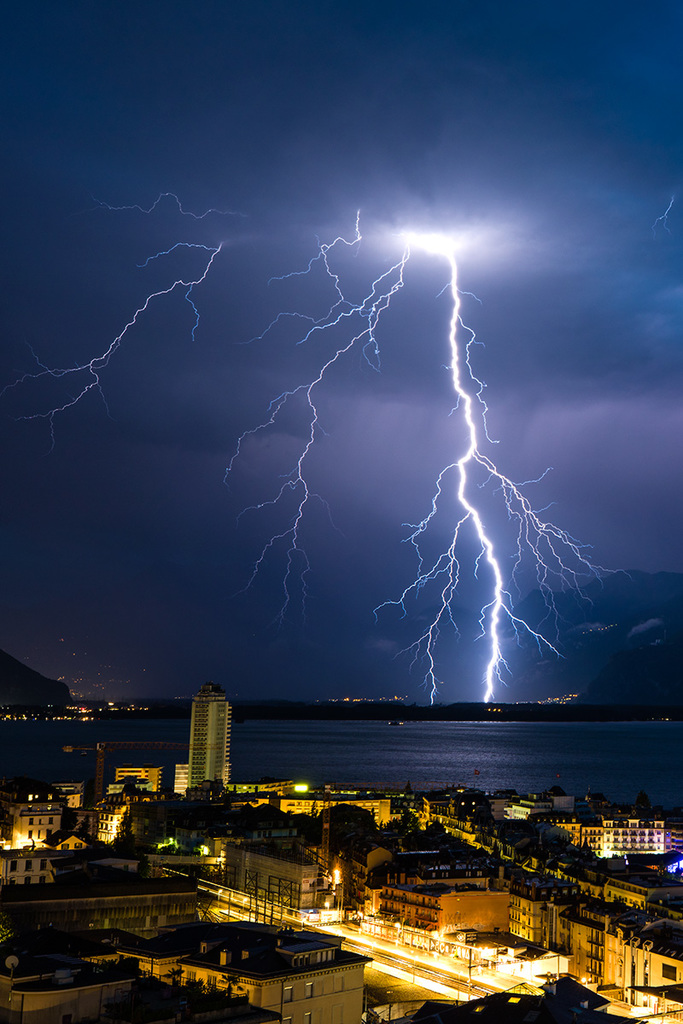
(209, 736)
(582, 929)
(304, 976)
(444, 908)
(30, 811)
(622, 835)
(535, 902)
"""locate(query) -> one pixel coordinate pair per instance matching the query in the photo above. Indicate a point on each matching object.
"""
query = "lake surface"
(616, 758)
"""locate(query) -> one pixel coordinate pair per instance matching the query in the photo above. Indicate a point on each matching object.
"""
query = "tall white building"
(209, 737)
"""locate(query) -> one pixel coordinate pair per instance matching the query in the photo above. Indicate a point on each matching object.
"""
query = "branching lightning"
(557, 557)
(159, 199)
(663, 219)
(84, 378)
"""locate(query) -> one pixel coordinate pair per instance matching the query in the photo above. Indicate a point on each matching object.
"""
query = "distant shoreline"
(371, 711)
(493, 712)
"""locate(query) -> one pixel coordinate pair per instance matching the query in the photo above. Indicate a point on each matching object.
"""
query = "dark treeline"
(399, 712)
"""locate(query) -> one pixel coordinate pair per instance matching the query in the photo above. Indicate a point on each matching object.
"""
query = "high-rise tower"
(209, 737)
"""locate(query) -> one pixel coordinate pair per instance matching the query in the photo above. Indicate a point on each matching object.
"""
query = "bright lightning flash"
(544, 540)
(557, 557)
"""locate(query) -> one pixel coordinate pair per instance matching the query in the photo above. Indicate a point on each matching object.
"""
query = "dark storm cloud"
(546, 134)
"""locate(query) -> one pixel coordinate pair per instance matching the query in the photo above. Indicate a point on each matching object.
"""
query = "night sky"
(547, 136)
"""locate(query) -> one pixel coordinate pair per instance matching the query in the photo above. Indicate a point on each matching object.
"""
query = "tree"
(175, 976)
(409, 829)
(69, 818)
(6, 926)
(143, 865)
(84, 829)
(643, 800)
(124, 844)
(89, 794)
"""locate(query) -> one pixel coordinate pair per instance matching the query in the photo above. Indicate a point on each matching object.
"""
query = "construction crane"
(327, 804)
(107, 746)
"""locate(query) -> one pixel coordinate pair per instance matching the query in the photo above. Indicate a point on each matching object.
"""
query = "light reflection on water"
(617, 758)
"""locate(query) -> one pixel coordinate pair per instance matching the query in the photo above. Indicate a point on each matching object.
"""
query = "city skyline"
(551, 145)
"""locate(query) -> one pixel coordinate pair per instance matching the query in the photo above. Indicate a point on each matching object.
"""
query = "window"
(669, 972)
(28, 864)
(307, 1018)
(13, 865)
(30, 821)
(309, 989)
(27, 880)
(287, 994)
(30, 833)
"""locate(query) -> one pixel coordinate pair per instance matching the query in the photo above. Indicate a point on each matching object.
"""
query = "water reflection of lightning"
(557, 557)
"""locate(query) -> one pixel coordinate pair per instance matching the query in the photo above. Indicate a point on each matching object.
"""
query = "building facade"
(30, 811)
(534, 905)
(209, 757)
(305, 977)
(139, 906)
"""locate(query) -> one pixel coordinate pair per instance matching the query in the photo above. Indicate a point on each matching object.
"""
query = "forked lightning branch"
(558, 561)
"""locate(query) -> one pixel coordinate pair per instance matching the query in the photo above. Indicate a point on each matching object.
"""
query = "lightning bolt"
(546, 543)
(82, 379)
(100, 204)
(366, 315)
(556, 555)
(663, 219)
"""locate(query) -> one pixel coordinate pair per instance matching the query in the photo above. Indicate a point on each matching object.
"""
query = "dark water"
(617, 758)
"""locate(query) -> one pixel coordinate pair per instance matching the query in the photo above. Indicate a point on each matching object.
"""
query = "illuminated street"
(440, 974)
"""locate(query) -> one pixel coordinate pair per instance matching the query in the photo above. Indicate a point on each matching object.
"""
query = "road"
(447, 976)
(443, 975)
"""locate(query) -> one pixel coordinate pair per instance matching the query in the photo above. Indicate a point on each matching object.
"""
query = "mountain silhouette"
(20, 684)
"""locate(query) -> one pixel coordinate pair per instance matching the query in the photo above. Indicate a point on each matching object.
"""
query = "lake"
(616, 758)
